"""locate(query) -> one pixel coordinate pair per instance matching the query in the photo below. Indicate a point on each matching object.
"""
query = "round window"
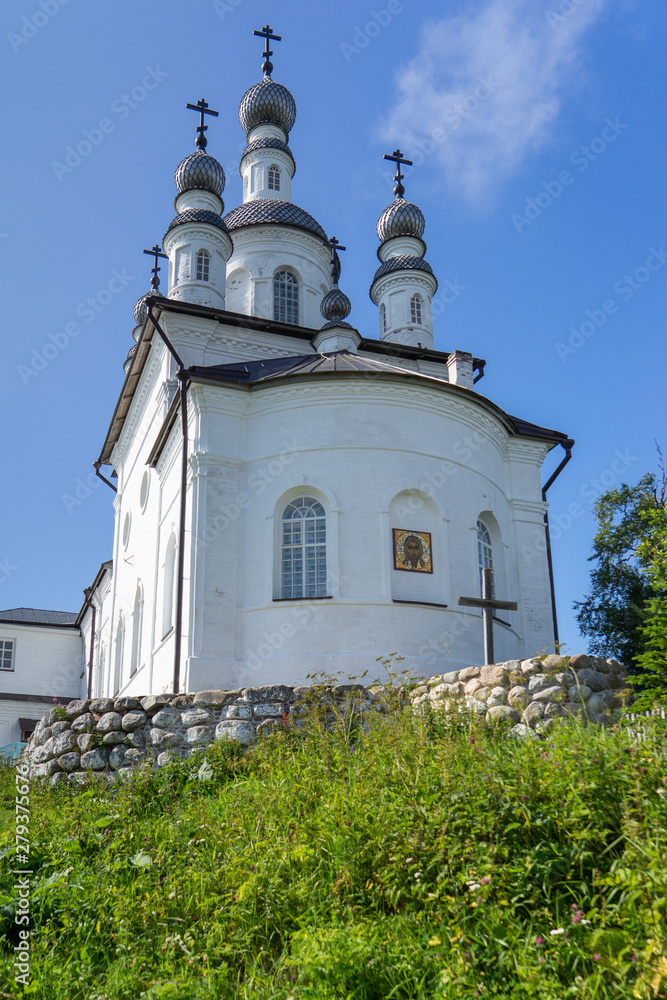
(126, 529)
(143, 492)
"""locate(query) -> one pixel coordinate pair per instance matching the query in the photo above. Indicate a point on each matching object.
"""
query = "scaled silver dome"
(140, 310)
(128, 360)
(199, 171)
(335, 306)
(401, 218)
(267, 102)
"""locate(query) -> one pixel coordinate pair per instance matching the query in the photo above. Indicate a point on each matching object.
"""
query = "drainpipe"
(96, 466)
(89, 604)
(182, 377)
(568, 445)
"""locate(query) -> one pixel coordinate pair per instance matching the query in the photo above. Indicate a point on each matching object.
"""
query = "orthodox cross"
(488, 605)
(203, 109)
(267, 33)
(398, 158)
(155, 253)
(335, 262)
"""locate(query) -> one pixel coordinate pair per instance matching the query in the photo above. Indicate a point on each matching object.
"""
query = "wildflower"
(541, 958)
(634, 958)
(347, 823)
(539, 941)
(558, 930)
(485, 880)
(642, 770)
(473, 886)
(577, 916)
(596, 957)
(472, 739)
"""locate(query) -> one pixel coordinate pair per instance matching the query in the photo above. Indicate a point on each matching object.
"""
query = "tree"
(652, 660)
(614, 611)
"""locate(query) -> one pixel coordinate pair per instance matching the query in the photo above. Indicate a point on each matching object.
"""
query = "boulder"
(110, 722)
(593, 679)
(478, 707)
(167, 718)
(468, 673)
(530, 667)
(616, 667)
(579, 693)
(165, 757)
(117, 757)
(473, 685)
(517, 697)
(496, 696)
(112, 739)
(216, 699)
(494, 676)
(41, 736)
(554, 661)
(162, 738)
(61, 727)
(64, 743)
(451, 678)
(101, 705)
(75, 708)
(58, 779)
(552, 710)
(182, 701)
(135, 756)
(126, 704)
(481, 694)
(95, 760)
(84, 723)
(511, 666)
(272, 708)
(238, 712)
(156, 701)
(244, 732)
(133, 719)
(86, 741)
(70, 761)
(45, 752)
(602, 701)
(580, 661)
(136, 740)
(46, 769)
(196, 717)
(554, 693)
(538, 682)
(503, 714)
(199, 736)
(273, 692)
(533, 713)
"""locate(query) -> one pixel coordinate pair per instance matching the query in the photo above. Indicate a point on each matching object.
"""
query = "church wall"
(356, 448)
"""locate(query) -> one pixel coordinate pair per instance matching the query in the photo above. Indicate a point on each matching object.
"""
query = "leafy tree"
(614, 611)
(652, 661)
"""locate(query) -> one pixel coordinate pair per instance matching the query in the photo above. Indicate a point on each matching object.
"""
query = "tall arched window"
(118, 658)
(274, 178)
(168, 593)
(137, 626)
(203, 265)
(285, 297)
(304, 557)
(416, 309)
(485, 555)
(383, 318)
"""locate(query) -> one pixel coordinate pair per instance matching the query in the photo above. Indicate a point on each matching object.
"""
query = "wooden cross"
(155, 253)
(335, 262)
(267, 33)
(398, 158)
(488, 605)
(203, 109)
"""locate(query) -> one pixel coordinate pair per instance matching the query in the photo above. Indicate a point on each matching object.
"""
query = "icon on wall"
(412, 551)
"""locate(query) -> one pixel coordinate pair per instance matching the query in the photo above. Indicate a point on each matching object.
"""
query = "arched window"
(137, 625)
(285, 297)
(383, 318)
(416, 309)
(118, 659)
(485, 555)
(274, 178)
(168, 593)
(304, 557)
(203, 265)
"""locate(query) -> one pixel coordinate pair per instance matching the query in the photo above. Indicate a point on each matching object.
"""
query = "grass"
(420, 858)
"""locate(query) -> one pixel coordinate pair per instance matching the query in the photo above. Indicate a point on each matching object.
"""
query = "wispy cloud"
(486, 87)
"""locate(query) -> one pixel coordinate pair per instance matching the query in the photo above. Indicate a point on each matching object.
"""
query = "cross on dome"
(202, 107)
(335, 262)
(267, 34)
(156, 252)
(398, 159)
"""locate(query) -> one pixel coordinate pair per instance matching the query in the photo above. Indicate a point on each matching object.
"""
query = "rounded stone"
(61, 727)
(41, 736)
(530, 667)
(135, 756)
(497, 696)
(70, 761)
(126, 704)
(163, 738)
(101, 705)
(75, 708)
(84, 723)
(196, 717)
(95, 760)
(166, 718)
(517, 697)
(200, 735)
(86, 741)
(468, 673)
(503, 714)
(494, 676)
(117, 757)
(473, 685)
(580, 661)
(593, 679)
(134, 719)
(64, 743)
(244, 732)
(58, 779)
(579, 693)
(110, 721)
(136, 739)
(533, 713)
(112, 739)
(555, 693)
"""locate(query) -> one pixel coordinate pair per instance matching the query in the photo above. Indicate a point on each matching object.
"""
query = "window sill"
(328, 597)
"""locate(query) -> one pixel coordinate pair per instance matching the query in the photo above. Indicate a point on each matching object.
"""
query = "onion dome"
(140, 310)
(199, 171)
(401, 218)
(196, 215)
(335, 306)
(272, 211)
(267, 103)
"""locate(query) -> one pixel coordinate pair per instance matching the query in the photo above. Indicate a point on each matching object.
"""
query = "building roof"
(36, 616)
(272, 211)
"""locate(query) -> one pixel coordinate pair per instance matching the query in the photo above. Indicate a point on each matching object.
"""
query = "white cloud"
(492, 81)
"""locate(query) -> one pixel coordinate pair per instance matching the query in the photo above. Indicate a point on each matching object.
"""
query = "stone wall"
(107, 738)
(530, 693)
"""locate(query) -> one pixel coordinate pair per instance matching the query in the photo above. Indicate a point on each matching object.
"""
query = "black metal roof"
(36, 616)
(273, 211)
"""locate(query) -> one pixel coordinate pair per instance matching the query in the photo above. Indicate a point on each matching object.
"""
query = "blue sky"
(537, 129)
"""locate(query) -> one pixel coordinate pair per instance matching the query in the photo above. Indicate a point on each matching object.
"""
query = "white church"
(294, 495)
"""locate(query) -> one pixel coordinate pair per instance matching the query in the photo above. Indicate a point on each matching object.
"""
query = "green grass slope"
(421, 858)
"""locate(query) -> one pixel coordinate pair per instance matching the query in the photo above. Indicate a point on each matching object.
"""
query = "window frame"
(282, 303)
(485, 555)
(203, 265)
(383, 318)
(273, 176)
(315, 550)
(12, 667)
(416, 310)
